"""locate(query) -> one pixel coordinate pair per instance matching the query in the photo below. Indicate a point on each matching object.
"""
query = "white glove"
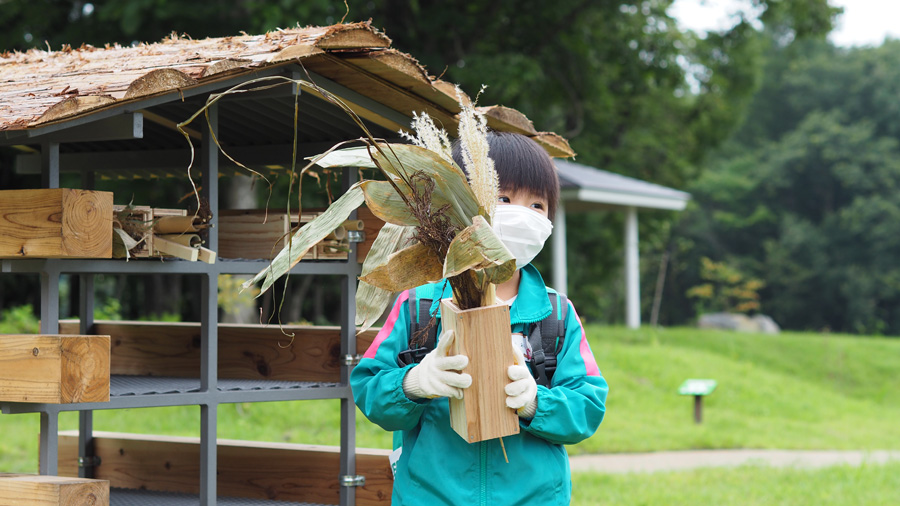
(522, 392)
(436, 375)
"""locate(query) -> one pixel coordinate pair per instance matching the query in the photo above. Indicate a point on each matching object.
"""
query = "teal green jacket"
(437, 466)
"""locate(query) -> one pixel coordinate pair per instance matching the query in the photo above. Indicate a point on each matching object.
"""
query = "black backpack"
(545, 337)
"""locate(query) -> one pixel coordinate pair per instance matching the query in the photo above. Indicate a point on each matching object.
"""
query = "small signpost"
(698, 388)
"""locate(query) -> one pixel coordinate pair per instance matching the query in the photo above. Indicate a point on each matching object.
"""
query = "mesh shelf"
(127, 497)
(122, 386)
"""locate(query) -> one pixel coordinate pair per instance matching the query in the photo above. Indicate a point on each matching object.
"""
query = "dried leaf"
(408, 268)
(385, 203)
(478, 247)
(401, 161)
(371, 301)
(348, 157)
(308, 236)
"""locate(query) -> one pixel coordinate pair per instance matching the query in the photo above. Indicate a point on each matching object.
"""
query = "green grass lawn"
(791, 391)
(871, 485)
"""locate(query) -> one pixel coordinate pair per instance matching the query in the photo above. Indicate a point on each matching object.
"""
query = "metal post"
(560, 274)
(50, 164)
(86, 418)
(209, 320)
(49, 442)
(348, 478)
(50, 300)
(632, 273)
(698, 409)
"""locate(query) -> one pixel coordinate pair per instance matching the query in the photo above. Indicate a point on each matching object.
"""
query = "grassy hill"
(792, 391)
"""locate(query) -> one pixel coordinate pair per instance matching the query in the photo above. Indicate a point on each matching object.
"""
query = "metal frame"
(209, 396)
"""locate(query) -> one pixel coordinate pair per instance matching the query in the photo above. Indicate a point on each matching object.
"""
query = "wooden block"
(483, 335)
(250, 233)
(273, 471)
(57, 369)
(36, 490)
(245, 351)
(55, 223)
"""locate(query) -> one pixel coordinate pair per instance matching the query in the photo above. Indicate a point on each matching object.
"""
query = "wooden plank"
(37, 490)
(56, 369)
(482, 334)
(245, 351)
(274, 471)
(55, 223)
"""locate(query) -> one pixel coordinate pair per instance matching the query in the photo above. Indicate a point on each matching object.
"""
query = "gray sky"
(864, 22)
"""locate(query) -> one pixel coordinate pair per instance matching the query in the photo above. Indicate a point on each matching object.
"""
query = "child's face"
(524, 198)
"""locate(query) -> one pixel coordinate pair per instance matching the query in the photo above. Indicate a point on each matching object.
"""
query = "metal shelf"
(127, 497)
(168, 266)
(149, 392)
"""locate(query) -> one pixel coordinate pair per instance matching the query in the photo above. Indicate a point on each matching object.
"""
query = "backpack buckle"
(411, 356)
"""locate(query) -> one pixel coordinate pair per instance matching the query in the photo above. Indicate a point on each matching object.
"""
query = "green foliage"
(634, 94)
(807, 196)
(19, 320)
(726, 289)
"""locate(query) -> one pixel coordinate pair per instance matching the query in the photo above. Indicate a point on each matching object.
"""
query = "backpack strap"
(419, 318)
(546, 337)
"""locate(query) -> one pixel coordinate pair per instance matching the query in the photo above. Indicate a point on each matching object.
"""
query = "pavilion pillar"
(632, 272)
(560, 275)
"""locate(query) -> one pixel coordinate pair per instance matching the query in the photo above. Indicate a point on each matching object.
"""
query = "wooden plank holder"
(482, 334)
(56, 223)
(38, 490)
(54, 369)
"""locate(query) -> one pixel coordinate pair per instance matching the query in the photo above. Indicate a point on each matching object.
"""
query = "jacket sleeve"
(377, 381)
(572, 409)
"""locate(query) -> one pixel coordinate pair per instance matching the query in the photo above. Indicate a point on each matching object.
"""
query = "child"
(436, 466)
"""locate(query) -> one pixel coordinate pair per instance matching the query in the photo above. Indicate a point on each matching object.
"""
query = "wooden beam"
(37, 490)
(55, 223)
(54, 369)
(245, 351)
(247, 469)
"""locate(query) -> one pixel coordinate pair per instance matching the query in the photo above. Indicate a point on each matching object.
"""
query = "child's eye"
(504, 199)
(537, 205)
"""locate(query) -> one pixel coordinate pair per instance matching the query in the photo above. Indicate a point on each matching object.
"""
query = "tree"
(807, 195)
(633, 93)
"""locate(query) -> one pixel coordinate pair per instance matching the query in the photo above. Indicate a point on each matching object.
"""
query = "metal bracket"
(352, 359)
(88, 461)
(353, 481)
(356, 236)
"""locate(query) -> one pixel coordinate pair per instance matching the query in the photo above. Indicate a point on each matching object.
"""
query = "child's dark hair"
(521, 164)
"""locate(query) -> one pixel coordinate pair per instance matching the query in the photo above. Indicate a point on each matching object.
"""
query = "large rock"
(740, 322)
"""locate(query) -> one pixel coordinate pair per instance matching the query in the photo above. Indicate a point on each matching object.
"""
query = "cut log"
(483, 335)
(272, 471)
(54, 369)
(36, 490)
(55, 223)
(245, 351)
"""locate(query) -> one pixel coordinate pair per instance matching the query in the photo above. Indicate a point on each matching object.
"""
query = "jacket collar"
(531, 304)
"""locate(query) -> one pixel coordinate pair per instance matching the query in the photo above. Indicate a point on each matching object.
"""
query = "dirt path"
(692, 459)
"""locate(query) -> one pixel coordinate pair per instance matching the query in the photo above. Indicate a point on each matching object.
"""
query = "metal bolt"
(35, 351)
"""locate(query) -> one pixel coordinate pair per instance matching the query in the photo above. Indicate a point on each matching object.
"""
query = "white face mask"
(522, 230)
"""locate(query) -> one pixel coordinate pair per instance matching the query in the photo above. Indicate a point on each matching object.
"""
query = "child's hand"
(437, 375)
(522, 392)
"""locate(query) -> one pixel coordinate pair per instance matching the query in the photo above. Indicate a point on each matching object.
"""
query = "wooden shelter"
(112, 112)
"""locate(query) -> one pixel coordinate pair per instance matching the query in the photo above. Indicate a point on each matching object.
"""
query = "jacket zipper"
(484, 500)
